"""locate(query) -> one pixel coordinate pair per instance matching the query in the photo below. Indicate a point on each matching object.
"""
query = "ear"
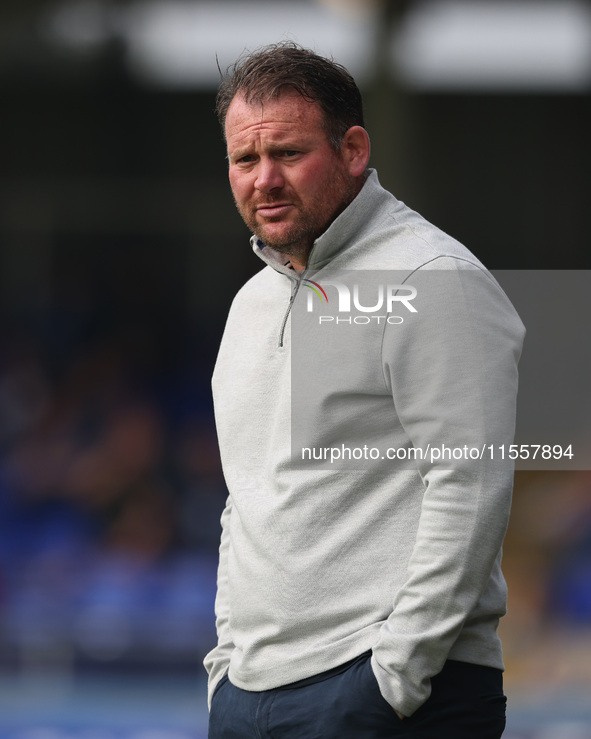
(355, 149)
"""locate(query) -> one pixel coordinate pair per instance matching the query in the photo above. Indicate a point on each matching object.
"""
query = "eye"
(246, 159)
(290, 153)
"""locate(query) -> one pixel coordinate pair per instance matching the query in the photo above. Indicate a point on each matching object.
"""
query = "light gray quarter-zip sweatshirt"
(320, 562)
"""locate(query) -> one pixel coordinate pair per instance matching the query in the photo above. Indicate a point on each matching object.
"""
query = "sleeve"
(217, 661)
(453, 377)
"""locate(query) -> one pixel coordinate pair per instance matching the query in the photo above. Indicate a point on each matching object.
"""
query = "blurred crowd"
(110, 489)
(547, 563)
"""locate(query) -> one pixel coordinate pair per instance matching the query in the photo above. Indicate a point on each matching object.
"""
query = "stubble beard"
(310, 223)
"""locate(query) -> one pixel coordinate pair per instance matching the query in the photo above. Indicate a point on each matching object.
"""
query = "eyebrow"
(237, 154)
(287, 145)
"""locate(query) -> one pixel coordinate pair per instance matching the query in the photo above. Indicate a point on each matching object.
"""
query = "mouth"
(273, 210)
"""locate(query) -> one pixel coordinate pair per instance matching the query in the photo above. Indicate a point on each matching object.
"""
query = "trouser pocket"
(347, 705)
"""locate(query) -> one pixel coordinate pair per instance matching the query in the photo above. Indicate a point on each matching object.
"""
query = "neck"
(296, 264)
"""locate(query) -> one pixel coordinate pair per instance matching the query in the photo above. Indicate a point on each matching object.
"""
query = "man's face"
(289, 184)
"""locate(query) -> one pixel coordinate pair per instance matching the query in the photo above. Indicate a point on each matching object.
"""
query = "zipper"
(289, 307)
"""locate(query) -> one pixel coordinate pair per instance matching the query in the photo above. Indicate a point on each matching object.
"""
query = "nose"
(269, 175)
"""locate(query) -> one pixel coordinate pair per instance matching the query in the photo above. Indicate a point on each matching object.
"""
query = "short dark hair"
(266, 73)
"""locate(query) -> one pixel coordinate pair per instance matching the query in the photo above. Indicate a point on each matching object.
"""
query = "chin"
(279, 241)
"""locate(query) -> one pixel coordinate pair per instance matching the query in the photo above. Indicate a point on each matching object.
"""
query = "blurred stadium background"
(120, 252)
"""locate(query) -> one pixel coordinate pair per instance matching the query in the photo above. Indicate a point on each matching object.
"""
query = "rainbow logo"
(317, 289)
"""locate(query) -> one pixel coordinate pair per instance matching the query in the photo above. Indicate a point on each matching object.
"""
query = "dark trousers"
(466, 702)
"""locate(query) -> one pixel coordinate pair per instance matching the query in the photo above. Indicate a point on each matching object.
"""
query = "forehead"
(288, 115)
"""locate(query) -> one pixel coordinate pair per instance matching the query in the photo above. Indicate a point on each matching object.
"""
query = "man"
(360, 601)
